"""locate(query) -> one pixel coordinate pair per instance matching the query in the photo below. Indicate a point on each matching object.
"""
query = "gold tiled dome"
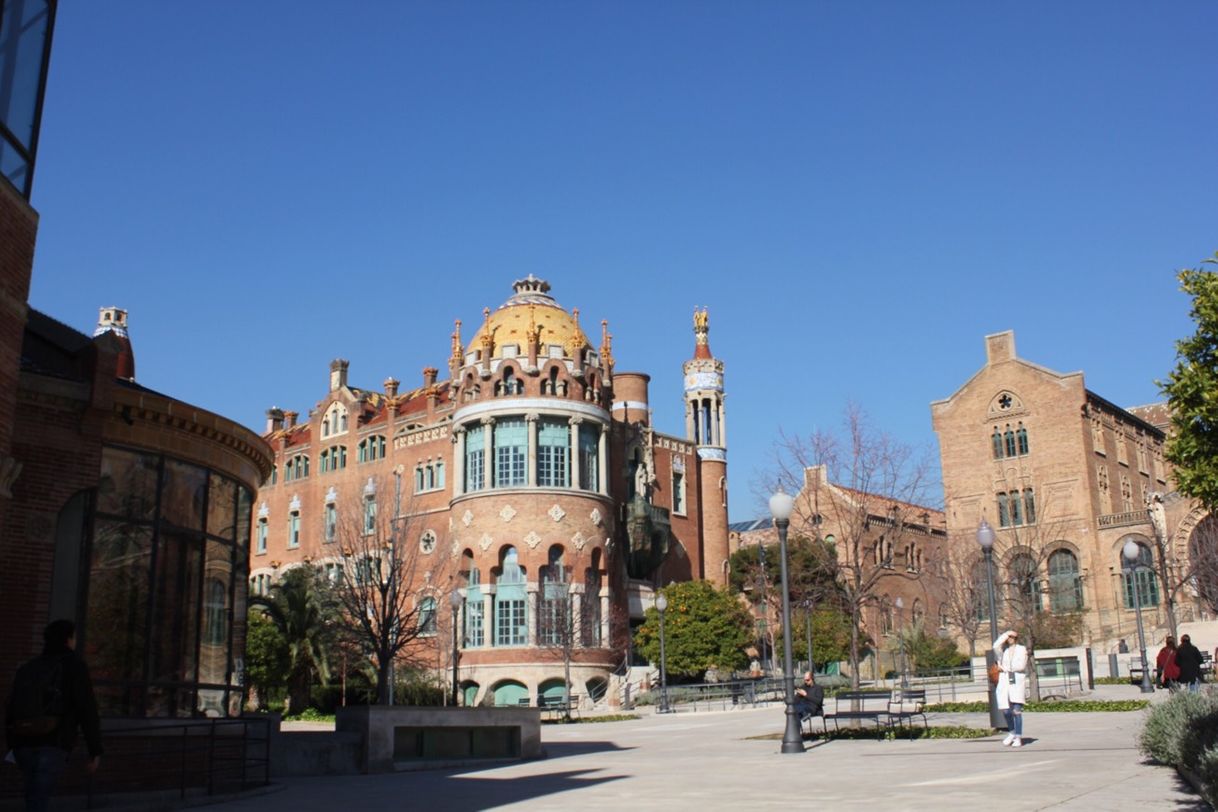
(531, 310)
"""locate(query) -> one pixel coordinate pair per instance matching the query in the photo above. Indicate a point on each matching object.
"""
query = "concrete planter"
(402, 737)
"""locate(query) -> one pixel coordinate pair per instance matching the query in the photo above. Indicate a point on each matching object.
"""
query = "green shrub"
(1200, 735)
(1065, 706)
(1163, 735)
(1207, 771)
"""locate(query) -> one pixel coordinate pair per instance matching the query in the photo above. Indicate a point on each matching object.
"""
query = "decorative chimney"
(290, 419)
(391, 387)
(429, 376)
(113, 321)
(274, 419)
(338, 373)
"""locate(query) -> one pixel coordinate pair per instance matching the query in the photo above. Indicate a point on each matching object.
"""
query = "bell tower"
(706, 428)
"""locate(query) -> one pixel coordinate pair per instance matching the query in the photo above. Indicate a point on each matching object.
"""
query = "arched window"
(1147, 589)
(474, 628)
(885, 615)
(1021, 439)
(371, 448)
(590, 620)
(1004, 514)
(1065, 587)
(996, 440)
(475, 455)
(554, 619)
(511, 607)
(510, 385)
(427, 616)
(979, 593)
(1009, 441)
(1022, 585)
(331, 523)
(335, 420)
(917, 613)
(1029, 506)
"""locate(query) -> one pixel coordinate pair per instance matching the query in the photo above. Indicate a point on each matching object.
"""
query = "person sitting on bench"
(809, 698)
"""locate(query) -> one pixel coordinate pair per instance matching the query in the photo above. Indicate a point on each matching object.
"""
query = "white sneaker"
(1010, 738)
(1018, 742)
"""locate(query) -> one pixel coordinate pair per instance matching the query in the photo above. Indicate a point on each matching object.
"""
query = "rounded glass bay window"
(543, 450)
(165, 588)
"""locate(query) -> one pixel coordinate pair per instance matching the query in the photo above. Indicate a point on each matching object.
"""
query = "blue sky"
(857, 191)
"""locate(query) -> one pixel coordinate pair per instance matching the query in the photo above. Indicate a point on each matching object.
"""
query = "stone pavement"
(1072, 761)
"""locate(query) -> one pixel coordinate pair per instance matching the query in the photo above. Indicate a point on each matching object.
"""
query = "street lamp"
(1131, 551)
(781, 506)
(900, 603)
(455, 599)
(808, 605)
(661, 607)
(985, 537)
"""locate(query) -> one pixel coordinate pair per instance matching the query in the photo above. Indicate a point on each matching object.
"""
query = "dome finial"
(702, 333)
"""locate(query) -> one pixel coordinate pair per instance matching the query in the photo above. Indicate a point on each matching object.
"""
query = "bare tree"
(866, 490)
(961, 591)
(387, 577)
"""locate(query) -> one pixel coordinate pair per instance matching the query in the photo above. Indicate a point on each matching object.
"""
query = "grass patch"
(585, 720)
(1067, 706)
(932, 732)
(310, 715)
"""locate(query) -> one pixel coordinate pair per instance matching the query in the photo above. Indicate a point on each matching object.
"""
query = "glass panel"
(175, 623)
(553, 446)
(128, 484)
(117, 616)
(221, 506)
(213, 653)
(23, 41)
(245, 504)
(511, 444)
(474, 452)
(182, 494)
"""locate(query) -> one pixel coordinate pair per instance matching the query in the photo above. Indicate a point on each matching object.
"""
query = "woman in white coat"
(1012, 689)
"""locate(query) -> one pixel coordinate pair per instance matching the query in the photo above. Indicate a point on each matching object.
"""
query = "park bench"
(905, 705)
(865, 706)
(553, 707)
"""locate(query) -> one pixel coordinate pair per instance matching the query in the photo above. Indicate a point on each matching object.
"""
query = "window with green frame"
(475, 458)
(1143, 574)
(511, 604)
(511, 452)
(553, 448)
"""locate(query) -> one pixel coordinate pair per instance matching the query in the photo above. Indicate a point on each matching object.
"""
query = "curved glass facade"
(163, 627)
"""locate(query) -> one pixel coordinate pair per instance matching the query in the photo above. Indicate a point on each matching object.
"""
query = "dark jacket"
(80, 708)
(1188, 659)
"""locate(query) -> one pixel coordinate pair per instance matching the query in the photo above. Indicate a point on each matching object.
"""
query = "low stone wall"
(397, 737)
(315, 752)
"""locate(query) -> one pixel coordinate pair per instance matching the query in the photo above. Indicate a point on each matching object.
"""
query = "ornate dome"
(530, 311)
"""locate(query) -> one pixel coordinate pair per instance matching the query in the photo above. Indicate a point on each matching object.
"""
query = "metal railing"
(705, 696)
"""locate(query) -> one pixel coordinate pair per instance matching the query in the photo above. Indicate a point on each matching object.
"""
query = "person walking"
(1188, 663)
(1012, 689)
(1167, 671)
(51, 698)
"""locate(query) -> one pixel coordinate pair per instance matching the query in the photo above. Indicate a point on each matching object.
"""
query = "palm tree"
(303, 609)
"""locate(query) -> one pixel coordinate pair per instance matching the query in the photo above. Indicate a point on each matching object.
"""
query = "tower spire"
(702, 334)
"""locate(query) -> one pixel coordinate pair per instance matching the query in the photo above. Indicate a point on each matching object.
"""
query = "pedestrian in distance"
(1188, 663)
(1167, 671)
(1011, 692)
(51, 699)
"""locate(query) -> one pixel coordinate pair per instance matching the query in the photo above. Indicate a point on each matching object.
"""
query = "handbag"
(995, 674)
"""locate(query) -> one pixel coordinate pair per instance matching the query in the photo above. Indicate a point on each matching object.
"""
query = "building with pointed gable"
(535, 458)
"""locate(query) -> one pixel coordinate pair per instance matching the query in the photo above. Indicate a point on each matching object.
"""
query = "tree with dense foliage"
(928, 653)
(704, 628)
(1192, 392)
(830, 635)
(302, 607)
(266, 658)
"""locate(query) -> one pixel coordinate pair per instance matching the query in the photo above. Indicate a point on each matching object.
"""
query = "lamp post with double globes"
(662, 607)
(1131, 551)
(456, 599)
(985, 537)
(781, 505)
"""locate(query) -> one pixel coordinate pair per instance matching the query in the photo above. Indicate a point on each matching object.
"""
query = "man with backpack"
(52, 696)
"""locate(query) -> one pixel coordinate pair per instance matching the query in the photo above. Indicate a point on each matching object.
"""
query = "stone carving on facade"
(556, 513)
(532, 539)
(467, 517)
(1158, 516)
(578, 541)
(331, 495)
(595, 516)
(485, 542)
(507, 513)
(263, 511)
(295, 503)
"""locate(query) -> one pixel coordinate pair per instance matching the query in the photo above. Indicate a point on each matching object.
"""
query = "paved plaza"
(1079, 761)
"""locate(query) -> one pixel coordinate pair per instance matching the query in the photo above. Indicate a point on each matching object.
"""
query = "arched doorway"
(510, 692)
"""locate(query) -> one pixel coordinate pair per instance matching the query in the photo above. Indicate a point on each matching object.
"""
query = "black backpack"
(38, 698)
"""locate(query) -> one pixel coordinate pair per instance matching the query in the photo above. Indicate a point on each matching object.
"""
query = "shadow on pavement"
(461, 792)
(568, 749)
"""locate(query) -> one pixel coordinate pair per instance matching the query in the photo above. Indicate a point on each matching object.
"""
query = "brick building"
(533, 460)
(895, 543)
(1065, 477)
(120, 508)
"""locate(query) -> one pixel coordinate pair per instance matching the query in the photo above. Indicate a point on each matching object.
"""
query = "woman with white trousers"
(1012, 689)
